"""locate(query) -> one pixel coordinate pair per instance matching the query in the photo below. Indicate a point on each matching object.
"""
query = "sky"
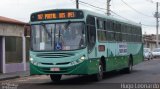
(139, 11)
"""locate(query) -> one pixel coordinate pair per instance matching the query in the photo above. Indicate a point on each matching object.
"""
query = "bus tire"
(55, 77)
(130, 66)
(99, 75)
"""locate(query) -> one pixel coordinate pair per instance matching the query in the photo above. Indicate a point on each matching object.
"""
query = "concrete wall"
(11, 29)
(14, 67)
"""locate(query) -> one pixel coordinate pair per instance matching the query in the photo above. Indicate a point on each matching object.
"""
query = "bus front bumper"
(81, 68)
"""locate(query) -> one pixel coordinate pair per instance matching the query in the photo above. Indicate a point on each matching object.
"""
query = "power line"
(92, 5)
(148, 25)
(132, 21)
(84, 3)
(115, 13)
(120, 16)
(99, 1)
(103, 9)
(153, 2)
(135, 9)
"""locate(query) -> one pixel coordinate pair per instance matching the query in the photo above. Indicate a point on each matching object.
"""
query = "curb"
(15, 75)
(8, 78)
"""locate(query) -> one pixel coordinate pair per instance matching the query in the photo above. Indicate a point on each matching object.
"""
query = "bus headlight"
(81, 59)
(31, 59)
(33, 62)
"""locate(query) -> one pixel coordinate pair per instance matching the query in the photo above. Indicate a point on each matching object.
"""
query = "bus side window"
(100, 24)
(91, 32)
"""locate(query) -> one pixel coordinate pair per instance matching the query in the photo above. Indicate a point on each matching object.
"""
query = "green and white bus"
(81, 42)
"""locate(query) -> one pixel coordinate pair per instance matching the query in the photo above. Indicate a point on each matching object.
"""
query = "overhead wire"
(99, 1)
(101, 9)
(120, 16)
(139, 12)
(153, 2)
(148, 25)
(92, 5)
(132, 21)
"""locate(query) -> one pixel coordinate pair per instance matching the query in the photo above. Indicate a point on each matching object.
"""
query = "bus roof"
(110, 17)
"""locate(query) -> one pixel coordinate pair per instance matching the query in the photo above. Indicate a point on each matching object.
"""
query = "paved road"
(146, 72)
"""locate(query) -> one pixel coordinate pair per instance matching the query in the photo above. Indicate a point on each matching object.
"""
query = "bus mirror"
(27, 30)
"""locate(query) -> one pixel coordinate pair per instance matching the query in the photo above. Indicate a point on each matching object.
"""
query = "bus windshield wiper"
(67, 25)
(49, 33)
(45, 29)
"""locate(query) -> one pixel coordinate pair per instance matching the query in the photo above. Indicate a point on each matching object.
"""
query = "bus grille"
(54, 55)
(63, 63)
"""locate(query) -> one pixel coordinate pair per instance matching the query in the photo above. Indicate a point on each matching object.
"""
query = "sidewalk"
(13, 75)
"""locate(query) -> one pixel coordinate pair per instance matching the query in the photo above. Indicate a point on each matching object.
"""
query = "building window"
(13, 47)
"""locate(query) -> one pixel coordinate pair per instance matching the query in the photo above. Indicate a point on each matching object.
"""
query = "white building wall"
(18, 31)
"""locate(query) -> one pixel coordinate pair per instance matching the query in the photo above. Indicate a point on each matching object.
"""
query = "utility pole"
(77, 4)
(108, 7)
(157, 25)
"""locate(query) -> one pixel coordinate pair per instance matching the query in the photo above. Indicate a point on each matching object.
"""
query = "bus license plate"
(55, 69)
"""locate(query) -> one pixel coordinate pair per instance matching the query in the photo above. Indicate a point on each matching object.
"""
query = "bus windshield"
(58, 36)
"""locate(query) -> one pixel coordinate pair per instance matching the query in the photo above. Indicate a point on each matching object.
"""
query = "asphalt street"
(147, 72)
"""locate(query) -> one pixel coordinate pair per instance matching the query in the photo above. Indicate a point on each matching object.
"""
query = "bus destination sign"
(55, 15)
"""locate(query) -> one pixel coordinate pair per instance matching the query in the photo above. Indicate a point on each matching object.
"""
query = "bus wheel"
(130, 66)
(55, 77)
(99, 75)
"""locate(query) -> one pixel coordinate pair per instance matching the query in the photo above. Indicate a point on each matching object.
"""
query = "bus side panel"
(93, 66)
(136, 49)
(116, 61)
(138, 58)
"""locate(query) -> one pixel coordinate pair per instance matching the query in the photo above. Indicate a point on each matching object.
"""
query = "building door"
(1, 58)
